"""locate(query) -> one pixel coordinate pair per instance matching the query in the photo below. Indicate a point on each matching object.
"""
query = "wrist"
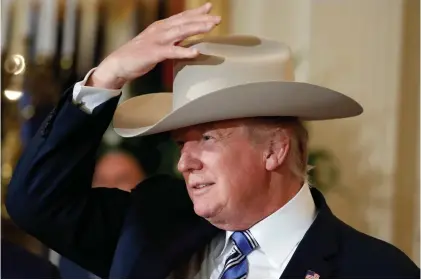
(102, 78)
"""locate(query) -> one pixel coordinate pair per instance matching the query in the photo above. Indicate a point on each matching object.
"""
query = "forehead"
(222, 127)
(116, 159)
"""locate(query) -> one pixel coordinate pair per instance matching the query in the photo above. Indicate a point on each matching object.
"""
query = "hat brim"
(152, 113)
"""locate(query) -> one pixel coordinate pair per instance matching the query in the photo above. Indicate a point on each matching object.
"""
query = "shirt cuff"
(91, 97)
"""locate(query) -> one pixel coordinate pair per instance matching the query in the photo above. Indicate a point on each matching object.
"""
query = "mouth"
(202, 186)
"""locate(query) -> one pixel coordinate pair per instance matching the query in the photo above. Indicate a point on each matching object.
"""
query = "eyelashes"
(207, 137)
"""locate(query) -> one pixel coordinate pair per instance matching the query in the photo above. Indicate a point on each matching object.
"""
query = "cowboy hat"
(233, 77)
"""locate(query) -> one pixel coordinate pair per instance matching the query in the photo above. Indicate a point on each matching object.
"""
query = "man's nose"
(188, 162)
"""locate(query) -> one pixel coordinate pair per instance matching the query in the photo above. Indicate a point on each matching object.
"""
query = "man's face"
(117, 170)
(223, 168)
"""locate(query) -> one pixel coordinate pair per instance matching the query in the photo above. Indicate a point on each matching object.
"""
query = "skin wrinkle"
(249, 181)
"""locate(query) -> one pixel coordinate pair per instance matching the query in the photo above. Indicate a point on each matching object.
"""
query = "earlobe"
(271, 162)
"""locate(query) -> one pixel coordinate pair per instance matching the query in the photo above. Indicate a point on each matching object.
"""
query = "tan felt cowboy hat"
(233, 77)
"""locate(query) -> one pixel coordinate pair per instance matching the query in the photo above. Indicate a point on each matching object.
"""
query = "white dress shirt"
(278, 235)
(91, 97)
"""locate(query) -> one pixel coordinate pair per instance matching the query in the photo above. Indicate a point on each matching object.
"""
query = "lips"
(199, 186)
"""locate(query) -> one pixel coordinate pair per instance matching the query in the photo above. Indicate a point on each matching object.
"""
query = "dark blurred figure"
(18, 263)
(118, 168)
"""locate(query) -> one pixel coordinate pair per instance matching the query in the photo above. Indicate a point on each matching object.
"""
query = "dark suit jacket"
(153, 232)
(17, 263)
(70, 270)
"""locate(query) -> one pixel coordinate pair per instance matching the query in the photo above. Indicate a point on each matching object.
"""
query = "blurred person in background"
(245, 208)
(118, 167)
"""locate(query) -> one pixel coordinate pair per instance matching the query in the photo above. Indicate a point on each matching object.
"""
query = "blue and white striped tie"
(236, 265)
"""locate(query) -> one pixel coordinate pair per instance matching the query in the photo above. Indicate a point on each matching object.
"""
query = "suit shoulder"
(169, 190)
(162, 183)
(163, 179)
(374, 255)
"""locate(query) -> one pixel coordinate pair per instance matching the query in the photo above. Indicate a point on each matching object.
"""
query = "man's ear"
(277, 150)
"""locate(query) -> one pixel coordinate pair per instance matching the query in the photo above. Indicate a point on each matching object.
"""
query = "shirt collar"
(279, 233)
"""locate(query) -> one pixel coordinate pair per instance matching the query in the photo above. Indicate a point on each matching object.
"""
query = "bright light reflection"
(12, 94)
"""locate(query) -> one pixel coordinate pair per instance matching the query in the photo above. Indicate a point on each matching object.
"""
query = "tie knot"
(245, 241)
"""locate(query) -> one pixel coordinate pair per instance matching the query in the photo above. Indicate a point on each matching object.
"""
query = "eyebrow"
(176, 133)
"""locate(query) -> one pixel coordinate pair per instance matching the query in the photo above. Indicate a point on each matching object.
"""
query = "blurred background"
(368, 166)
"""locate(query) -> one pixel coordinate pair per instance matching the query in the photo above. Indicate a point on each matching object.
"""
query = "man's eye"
(207, 137)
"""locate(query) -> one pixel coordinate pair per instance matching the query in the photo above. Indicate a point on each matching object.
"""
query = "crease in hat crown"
(222, 58)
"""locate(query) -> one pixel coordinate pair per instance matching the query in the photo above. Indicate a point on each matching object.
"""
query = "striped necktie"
(236, 266)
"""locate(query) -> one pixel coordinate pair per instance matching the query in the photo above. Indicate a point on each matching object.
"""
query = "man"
(245, 209)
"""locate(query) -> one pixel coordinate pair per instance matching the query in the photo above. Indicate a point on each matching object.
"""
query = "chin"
(202, 212)
(205, 211)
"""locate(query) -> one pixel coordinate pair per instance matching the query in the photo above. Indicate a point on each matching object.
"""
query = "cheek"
(238, 170)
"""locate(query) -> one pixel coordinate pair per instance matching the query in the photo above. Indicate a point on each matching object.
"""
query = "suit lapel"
(155, 254)
(187, 252)
(316, 252)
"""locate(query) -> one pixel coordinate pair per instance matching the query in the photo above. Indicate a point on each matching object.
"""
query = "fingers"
(182, 32)
(204, 9)
(171, 30)
(175, 52)
(193, 19)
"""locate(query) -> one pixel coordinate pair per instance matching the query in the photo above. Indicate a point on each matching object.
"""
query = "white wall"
(354, 46)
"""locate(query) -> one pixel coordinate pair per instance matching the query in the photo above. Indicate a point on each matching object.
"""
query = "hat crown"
(230, 61)
(233, 77)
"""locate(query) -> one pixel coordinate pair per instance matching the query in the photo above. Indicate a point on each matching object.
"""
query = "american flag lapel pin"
(312, 275)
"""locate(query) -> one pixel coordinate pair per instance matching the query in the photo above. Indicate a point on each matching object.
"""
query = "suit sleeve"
(50, 194)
